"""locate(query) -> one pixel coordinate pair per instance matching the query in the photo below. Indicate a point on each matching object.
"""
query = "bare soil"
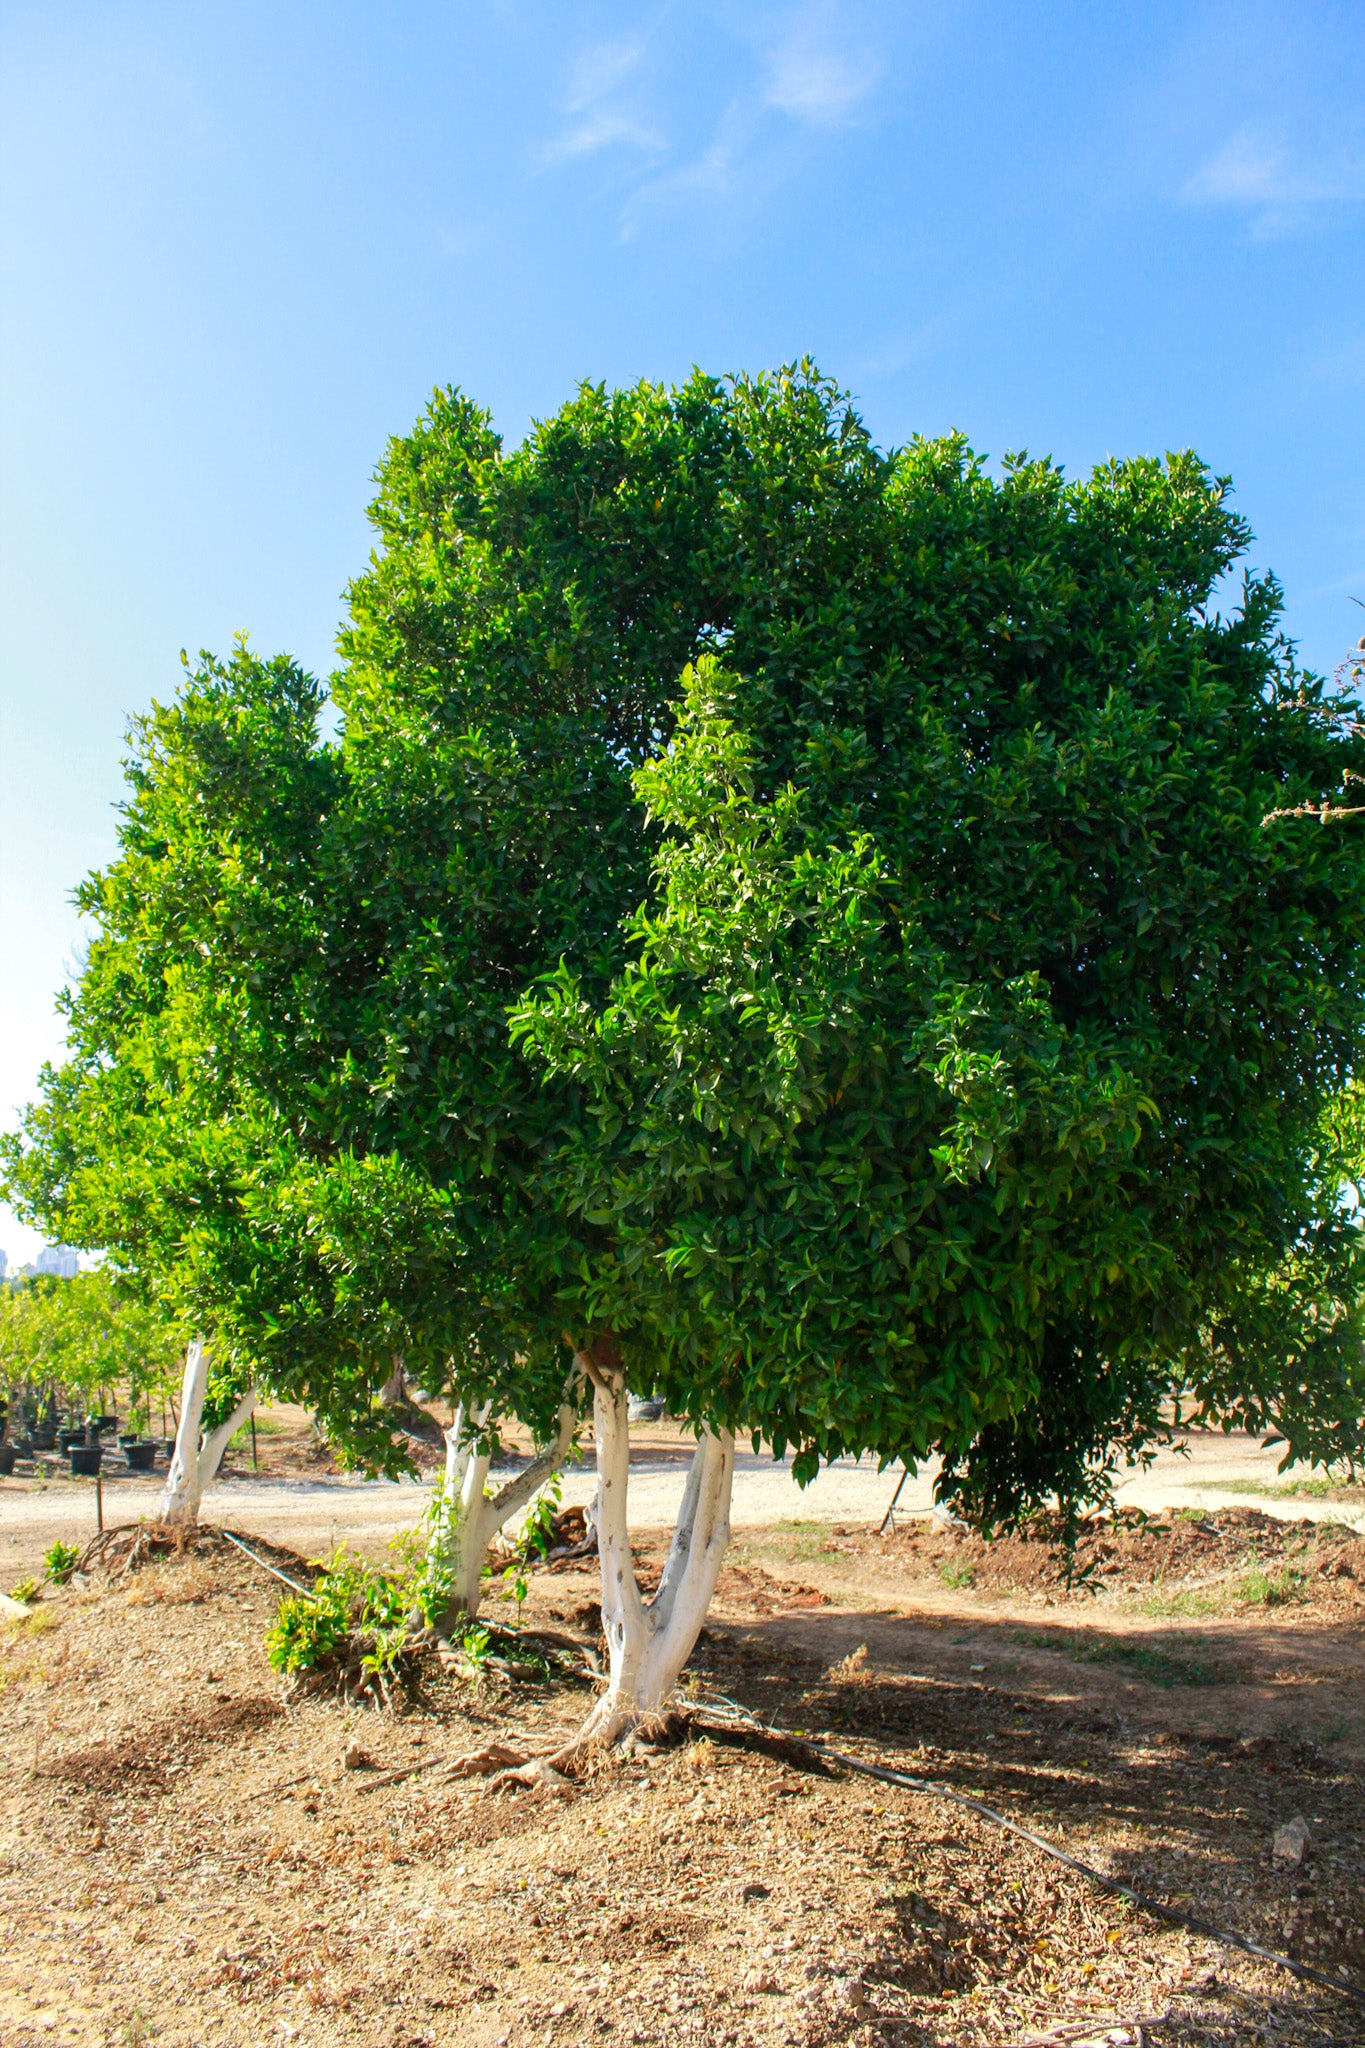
(183, 1860)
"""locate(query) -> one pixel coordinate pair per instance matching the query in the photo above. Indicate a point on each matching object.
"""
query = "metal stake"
(888, 1520)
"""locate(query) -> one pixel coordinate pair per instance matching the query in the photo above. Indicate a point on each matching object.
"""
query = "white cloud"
(900, 352)
(599, 116)
(1257, 171)
(717, 172)
(601, 68)
(811, 69)
(602, 129)
(814, 76)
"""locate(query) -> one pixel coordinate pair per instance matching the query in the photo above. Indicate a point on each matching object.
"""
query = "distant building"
(59, 1260)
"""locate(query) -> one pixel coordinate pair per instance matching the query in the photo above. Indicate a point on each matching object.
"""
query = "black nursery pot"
(6, 1460)
(141, 1457)
(67, 1439)
(85, 1460)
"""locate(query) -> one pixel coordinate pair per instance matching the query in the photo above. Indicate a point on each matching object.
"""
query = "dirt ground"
(184, 1861)
(294, 1492)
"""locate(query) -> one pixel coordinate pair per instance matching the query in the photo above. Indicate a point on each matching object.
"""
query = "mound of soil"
(1253, 1559)
(116, 1552)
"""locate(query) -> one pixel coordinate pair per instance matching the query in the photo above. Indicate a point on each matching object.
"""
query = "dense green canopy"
(918, 1046)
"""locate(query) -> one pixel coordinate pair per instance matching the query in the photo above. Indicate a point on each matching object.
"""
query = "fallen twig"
(479, 1763)
(397, 1777)
(1093, 2033)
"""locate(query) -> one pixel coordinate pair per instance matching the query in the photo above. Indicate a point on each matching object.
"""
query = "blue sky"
(240, 243)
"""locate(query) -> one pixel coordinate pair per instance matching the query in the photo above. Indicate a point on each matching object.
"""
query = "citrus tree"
(975, 1036)
(144, 1139)
(890, 1038)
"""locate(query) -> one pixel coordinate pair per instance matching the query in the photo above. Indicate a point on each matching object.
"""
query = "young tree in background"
(83, 1334)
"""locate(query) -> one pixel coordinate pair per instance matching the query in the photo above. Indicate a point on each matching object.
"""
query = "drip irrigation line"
(274, 1570)
(1173, 1914)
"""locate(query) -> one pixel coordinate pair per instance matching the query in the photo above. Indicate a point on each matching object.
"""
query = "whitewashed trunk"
(467, 1518)
(196, 1458)
(649, 1642)
(394, 1391)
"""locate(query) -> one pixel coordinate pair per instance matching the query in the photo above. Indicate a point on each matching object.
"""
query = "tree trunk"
(394, 1392)
(467, 1519)
(650, 1642)
(196, 1459)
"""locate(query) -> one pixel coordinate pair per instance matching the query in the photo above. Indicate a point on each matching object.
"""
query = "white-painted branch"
(467, 1517)
(179, 1501)
(648, 1643)
(216, 1442)
(196, 1458)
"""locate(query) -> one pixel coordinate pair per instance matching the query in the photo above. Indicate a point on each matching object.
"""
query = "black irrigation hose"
(265, 1566)
(1097, 1877)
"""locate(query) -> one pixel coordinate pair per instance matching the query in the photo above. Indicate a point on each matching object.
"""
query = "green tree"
(144, 1140)
(975, 1036)
(83, 1335)
(909, 1042)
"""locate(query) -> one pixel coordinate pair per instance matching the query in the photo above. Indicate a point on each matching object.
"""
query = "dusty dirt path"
(314, 1514)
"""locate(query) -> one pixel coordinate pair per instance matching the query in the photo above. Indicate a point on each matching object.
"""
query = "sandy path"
(314, 1515)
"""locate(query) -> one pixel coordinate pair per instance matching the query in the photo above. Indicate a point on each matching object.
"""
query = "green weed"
(59, 1561)
(957, 1572)
(796, 1539)
(1195, 1603)
(1324, 1487)
(1149, 1660)
(1266, 1589)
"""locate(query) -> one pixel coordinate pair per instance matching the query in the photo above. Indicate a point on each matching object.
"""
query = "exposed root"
(572, 1537)
(657, 1732)
(580, 1757)
(537, 1774)
(494, 1756)
(534, 1654)
(115, 1553)
(118, 1552)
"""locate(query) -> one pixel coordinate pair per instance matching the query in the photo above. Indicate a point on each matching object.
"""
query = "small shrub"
(476, 1648)
(350, 1599)
(304, 1634)
(59, 1561)
(422, 1568)
(26, 1591)
(957, 1572)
